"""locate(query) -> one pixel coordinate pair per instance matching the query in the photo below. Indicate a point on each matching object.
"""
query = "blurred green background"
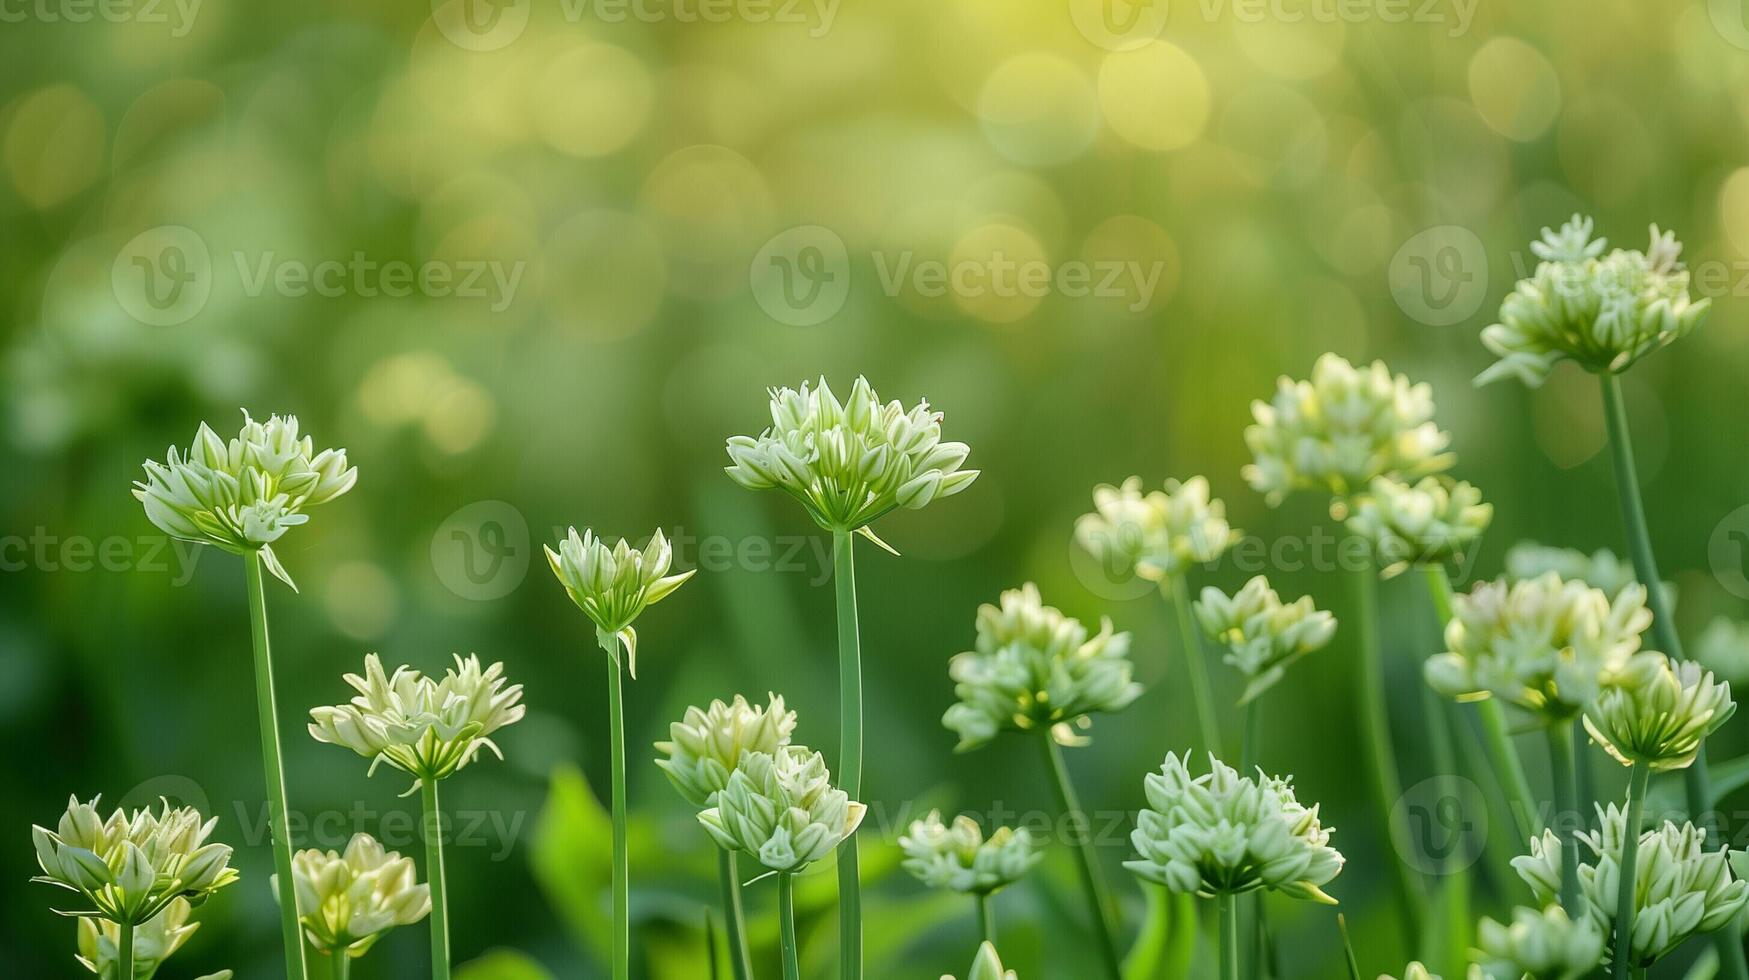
(617, 224)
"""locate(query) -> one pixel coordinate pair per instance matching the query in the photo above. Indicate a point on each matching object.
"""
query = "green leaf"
(503, 964)
(572, 859)
(1167, 942)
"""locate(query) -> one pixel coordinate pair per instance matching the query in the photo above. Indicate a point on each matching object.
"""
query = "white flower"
(1034, 668)
(706, 745)
(987, 966)
(1657, 712)
(131, 867)
(346, 902)
(782, 809)
(958, 856)
(1263, 635)
(1723, 648)
(1220, 834)
(1159, 534)
(1414, 971)
(1602, 311)
(1601, 569)
(1542, 945)
(1432, 520)
(613, 585)
(154, 941)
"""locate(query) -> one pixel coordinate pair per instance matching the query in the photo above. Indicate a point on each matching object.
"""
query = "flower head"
(783, 809)
(848, 463)
(1601, 569)
(243, 495)
(1341, 429)
(1034, 668)
(1159, 534)
(1546, 645)
(612, 585)
(705, 746)
(1723, 648)
(957, 856)
(131, 867)
(1262, 634)
(1543, 945)
(1657, 712)
(1223, 834)
(1603, 312)
(154, 941)
(346, 902)
(425, 727)
(987, 966)
(1414, 971)
(1432, 520)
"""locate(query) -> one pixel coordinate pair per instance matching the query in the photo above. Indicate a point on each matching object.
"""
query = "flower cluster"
(154, 941)
(1681, 888)
(987, 966)
(612, 585)
(1546, 645)
(1543, 945)
(1723, 648)
(346, 902)
(1034, 668)
(424, 727)
(848, 463)
(706, 745)
(957, 856)
(1432, 520)
(1657, 712)
(1604, 312)
(1262, 634)
(130, 867)
(782, 808)
(1602, 569)
(1223, 834)
(243, 495)
(1159, 534)
(1341, 429)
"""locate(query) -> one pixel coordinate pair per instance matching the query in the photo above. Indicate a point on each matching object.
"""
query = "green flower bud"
(346, 902)
(849, 463)
(783, 809)
(154, 941)
(1263, 636)
(958, 857)
(1723, 648)
(1604, 312)
(1542, 945)
(130, 867)
(1342, 429)
(706, 745)
(424, 727)
(1220, 834)
(1157, 535)
(1034, 668)
(1433, 520)
(1414, 971)
(987, 966)
(613, 585)
(1657, 712)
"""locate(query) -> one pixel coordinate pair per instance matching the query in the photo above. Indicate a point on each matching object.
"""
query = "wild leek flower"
(130, 867)
(1723, 648)
(1262, 634)
(782, 808)
(706, 745)
(1604, 312)
(612, 585)
(1034, 669)
(1416, 971)
(1223, 834)
(1657, 712)
(1601, 569)
(1341, 429)
(1156, 535)
(987, 966)
(1545, 945)
(1432, 520)
(424, 727)
(347, 901)
(153, 942)
(958, 857)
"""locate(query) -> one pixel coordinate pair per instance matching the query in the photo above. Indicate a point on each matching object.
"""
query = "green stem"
(342, 964)
(1566, 816)
(786, 921)
(1229, 938)
(622, 957)
(734, 933)
(1196, 664)
(849, 754)
(986, 918)
(1624, 892)
(124, 952)
(433, 826)
(1092, 880)
(267, 713)
(1376, 718)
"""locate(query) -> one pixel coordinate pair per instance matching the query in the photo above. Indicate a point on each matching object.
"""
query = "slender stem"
(1196, 664)
(1376, 718)
(342, 964)
(1092, 880)
(1229, 938)
(986, 918)
(734, 933)
(1624, 892)
(267, 713)
(433, 826)
(1584, 788)
(1566, 817)
(124, 952)
(786, 922)
(622, 968)
(849, 753)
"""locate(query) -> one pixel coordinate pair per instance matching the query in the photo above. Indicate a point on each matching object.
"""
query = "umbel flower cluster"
(1601, 569)
(424, 727)
(1682, 888)
(347, 901)
(1432, 520)
(1544, 945)
(613, 585)
(706, 745)
(957, 856)
(783, 809)
(1262, 634)
(131, 867)
(154, 941)
(1602, 311)
(1341, 429)
(1223, 834)
(1033, 668)
(849, 462)
(1657, 712)
(1546, 645)
(1159, 534)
